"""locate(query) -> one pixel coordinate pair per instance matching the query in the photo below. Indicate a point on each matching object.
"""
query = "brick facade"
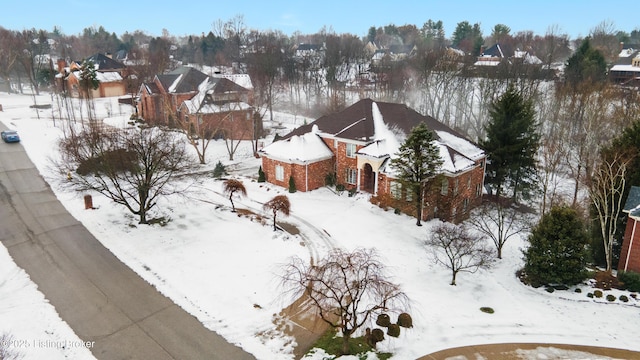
(463, 193)
(237, 125)
(307, 177)
(630, 253)
(361, 142)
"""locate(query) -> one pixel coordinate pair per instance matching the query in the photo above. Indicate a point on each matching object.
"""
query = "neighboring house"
(110, 74)
(201, 100)
(221, 109)
(392, 54)
(498, 53)
(311, 55)
(355, 146)
(630, 252)
(626, 71)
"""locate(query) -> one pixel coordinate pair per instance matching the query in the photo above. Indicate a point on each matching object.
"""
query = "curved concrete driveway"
(98, 296)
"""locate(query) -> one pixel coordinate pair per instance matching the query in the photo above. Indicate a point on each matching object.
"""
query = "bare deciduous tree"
(279, 204)
(132, 167)
(345, 288)
(233, 186)
(499, 222)
(606, 192)
(459, 250)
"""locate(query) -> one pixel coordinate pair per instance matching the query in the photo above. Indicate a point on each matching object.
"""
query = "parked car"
(10, 136)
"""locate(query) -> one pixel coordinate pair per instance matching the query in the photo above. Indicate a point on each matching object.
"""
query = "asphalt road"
(97, 295)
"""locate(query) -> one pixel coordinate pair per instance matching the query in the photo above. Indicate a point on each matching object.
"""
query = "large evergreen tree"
(511, 145)
(417, 161)
(586, 65)
(557, 252)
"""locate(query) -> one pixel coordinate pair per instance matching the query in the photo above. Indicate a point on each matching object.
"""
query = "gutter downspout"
(633, 233)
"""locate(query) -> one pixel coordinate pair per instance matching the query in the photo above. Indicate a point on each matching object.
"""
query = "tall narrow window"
(396, 190)
(444, 189)
(279, 173)
(351, 150)
(352, 176)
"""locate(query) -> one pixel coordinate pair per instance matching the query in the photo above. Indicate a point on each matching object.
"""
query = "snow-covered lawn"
(223, 267)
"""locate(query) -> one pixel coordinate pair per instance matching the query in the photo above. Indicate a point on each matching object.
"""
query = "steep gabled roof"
(356, 122)
(382, 127)
(181, 80)
(104, 63)
(206, 101)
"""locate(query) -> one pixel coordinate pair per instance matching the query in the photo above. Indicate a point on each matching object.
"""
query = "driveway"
(97, 295)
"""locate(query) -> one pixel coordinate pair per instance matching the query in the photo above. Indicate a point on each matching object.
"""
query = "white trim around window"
(279, 173)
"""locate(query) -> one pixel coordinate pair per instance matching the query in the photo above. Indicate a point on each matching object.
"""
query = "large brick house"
(220, 103)
(630, 252)
(356, 145)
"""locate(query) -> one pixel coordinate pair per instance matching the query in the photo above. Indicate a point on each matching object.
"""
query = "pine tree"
(261, 175)
(586, 65)
(511, 145)
(292, 185)
(557, 252)
(417, 161)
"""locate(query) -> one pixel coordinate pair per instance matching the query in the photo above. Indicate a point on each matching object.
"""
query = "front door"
(368, 179)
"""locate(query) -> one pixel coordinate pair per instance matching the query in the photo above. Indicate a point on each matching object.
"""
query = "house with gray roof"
(355, 147)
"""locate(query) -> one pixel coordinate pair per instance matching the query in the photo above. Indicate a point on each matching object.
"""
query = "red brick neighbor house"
(220, 103)
(355, 145)
(630, 252)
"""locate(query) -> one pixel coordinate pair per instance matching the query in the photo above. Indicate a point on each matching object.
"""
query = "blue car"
(10, 136)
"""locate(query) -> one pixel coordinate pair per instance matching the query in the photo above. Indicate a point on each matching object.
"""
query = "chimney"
(61, 65)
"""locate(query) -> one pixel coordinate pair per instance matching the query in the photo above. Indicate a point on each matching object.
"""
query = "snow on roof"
(461, 145)
(303, 149)
(453, 162)
(626, 52)
(379, 149)
(175, 83)
(243, 80)
(630, 68)
(486, 63)
(103, 77)
(108, 76)
(386, 142)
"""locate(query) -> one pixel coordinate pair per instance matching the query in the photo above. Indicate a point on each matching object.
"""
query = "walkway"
(510, 352)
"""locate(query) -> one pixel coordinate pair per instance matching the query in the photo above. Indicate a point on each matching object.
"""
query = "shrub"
(393, 330)
(330, 179)
(219, 170)
(623, 298)
(292, 185)
(383, 320)
(557, 252)
(590, 295)
(261, 175)
(405, 320)
(578, 290)
(487, 310)
(611, 298)
(340, 187)
(377, 335)
(630, 279)
(597, 293)
(550, 289)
